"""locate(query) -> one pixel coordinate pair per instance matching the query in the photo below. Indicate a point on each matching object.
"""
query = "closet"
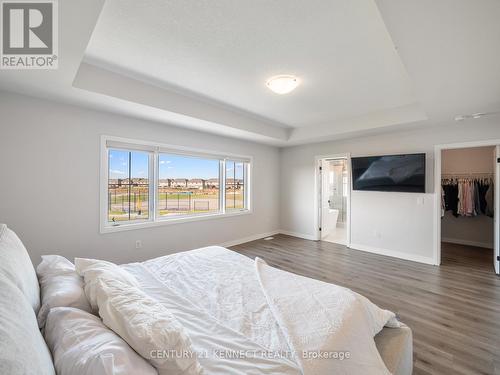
(467, 204)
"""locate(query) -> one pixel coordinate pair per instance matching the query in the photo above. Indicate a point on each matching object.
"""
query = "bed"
(224, 301)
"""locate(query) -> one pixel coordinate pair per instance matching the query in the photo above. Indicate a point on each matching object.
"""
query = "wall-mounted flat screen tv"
(402, 173)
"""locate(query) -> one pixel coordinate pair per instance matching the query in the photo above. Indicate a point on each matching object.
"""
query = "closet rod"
(488, 174)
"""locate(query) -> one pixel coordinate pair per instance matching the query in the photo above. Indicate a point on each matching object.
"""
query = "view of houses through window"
(186, 185)
(128, 185)
(235, 186)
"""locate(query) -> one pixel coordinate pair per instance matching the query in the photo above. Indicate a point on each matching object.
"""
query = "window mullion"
(129, 183)
(248, 187)
(153, 186)
(222, 185)
(108, 198)
(245, 186)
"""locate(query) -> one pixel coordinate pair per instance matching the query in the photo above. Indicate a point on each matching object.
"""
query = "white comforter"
(325, 323)
(231, 304)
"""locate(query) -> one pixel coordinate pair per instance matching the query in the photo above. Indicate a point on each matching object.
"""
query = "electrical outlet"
(138, 244)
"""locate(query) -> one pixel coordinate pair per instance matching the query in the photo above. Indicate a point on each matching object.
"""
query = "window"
(128, 185)
(188, 185)
(235, 185)
(147, 184)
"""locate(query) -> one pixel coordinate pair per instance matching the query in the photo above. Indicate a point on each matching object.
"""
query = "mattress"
(222, 285)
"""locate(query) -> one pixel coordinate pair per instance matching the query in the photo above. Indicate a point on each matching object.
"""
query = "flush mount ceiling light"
(282, 84)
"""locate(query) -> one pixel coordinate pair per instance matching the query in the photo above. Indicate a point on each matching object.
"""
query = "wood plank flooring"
(453, 310)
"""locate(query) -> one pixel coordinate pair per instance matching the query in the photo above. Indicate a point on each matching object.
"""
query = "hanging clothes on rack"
(468, 195)
(443, 202)
(477, 200)
(489, 201)
(483, 189)
(466, 199)
(450, 198)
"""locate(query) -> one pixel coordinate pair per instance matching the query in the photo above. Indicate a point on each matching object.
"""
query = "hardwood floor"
(453, 310)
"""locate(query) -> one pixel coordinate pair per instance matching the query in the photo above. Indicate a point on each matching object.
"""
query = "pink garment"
(469, 199)
(466, 198)
(461, 199)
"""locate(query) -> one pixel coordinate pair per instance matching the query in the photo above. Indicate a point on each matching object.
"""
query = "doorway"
(467, 186)
(334, 200)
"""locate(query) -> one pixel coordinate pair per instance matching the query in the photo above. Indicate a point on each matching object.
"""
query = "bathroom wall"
(337, 198)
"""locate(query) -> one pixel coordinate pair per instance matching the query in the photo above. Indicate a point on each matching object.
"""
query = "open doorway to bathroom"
(334, 200)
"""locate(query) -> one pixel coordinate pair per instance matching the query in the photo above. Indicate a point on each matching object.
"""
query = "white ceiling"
(226, 50)
(365, 66)
(451, 49)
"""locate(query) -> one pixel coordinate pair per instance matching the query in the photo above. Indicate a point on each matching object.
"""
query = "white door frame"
(437, 189)
(317, 195)
(496, 221)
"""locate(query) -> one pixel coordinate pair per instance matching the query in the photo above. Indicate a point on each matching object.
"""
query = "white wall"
(399, 224)
(478, 230)
(49, 189)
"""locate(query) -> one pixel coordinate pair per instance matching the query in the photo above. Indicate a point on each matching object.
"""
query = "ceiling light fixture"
(282, 84)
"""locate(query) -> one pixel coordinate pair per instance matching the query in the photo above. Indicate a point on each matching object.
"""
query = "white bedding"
(325, 321)
(221, 350)
(227, 302)
(147, 326)
(224, 284)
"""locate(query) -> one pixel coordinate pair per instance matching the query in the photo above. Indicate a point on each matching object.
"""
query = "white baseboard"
(394, 254)
(299, 235)
(459, 241)
(249, 238)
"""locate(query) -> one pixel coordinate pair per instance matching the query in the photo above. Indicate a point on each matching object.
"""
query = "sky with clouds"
(170, 166)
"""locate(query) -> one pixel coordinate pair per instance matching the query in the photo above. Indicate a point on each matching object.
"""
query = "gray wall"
(49, 190)
(396, 224)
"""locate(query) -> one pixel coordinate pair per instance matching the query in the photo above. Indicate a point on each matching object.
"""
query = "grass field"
(123, 206)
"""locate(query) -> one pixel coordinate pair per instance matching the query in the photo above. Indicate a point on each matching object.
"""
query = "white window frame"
(246, 177)
(155, 150)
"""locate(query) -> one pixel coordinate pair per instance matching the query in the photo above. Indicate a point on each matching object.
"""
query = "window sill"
(170, 221)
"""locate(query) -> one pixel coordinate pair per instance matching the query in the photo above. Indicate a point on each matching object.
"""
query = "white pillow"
(22, 348)
(148, 327)
(82, 345)
(60, 286)
(15, 264)
(92, 269)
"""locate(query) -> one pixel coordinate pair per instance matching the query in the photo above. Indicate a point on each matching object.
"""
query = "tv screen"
(402, 173)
